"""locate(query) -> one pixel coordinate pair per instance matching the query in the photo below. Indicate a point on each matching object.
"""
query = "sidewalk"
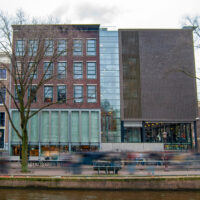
(140, 171)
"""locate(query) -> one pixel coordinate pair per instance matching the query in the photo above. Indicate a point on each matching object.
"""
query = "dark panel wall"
(166, 93)
(130, 71)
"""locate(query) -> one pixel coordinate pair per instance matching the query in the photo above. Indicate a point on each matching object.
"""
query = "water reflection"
(8, 194)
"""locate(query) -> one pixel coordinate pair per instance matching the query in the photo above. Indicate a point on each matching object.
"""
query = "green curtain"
(54, 126)
(85, 127)
(16, 121)
(75, 127)
(64, 127)
(45, 127)
(34, 135)
(95, 126)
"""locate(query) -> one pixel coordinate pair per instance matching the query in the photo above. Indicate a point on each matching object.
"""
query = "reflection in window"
(48, 93)
(48, 45)
(32, 93)
(20, 47)
(91, 70)
(78, 93)
(1, 138)
(91, 47)
(48, 70)
(17, 92)
(78, 70)
(77, 47)
(61, 70)
(2, 119)
(62, 47)
(33, 47)
(61, 93)
(91, 93)
(2, 73)
(33, 70)
(2, 95)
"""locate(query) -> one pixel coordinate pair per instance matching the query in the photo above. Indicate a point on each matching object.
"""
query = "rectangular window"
(91, 70)
(48, 94)
(32, 93)
(78, 70)
(61, 70)
(3, 74)
(19, 69)
(2, 95)
(32, 70)
(2, 138)
(61, 93)
(17, 87)
(48, 70)
(91, 93)
(62, 47)
(78, 93)
(49, 46)
(33, 47)
(20, 47)
(91, 47)
(77, 47)
(2, 119)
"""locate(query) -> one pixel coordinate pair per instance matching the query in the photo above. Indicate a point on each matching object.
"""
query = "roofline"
(55, 24)
(152, 29)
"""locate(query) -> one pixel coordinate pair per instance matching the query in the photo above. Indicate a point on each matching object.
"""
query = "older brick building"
(73, 121)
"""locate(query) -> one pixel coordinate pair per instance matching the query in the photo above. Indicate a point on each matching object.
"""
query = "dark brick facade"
(67, 32)
(166, 93)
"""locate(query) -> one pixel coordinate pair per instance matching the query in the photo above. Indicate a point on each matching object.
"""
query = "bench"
(107, 166)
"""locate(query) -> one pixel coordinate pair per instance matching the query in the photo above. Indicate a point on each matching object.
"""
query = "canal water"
(12, 194)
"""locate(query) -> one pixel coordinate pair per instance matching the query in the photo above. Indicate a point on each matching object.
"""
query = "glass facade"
(110, 86)
(59, 130)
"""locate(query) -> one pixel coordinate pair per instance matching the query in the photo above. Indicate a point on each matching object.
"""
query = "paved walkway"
(15, 170)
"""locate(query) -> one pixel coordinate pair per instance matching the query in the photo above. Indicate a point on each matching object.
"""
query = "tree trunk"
(24, 152)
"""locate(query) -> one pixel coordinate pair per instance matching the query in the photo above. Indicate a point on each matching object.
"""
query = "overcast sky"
(119, 13)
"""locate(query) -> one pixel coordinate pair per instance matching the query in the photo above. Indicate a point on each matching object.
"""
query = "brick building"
(73, 121)
(4, 121)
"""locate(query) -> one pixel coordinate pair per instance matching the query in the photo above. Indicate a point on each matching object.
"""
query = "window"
(33, 69)
(62, 47)
(91, 93)
(78, 70)
(48, 45)
(33, 47)
(20, 47)
(2, 95)
(61, 93)
(91, 47)
(48, 70)
(19, 69)
(48, 94)
(17, 87)
(78, 93)
(3, 74)
(2, 138)
(32, 93)
(77, 47)
(2, 119)
(61, 70)
(91, 70)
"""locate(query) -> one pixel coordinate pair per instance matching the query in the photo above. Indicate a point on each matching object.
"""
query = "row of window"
(61, 93)
(61, 70)
(49, 47)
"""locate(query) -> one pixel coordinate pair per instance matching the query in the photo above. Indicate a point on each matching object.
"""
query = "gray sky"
(119, 13)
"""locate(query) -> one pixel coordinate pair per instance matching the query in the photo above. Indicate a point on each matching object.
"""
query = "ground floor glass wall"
(55, 131)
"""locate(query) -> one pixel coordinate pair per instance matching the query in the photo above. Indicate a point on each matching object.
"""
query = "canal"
(26, 194)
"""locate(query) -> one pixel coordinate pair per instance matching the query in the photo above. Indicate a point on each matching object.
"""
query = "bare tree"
(26, 57)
